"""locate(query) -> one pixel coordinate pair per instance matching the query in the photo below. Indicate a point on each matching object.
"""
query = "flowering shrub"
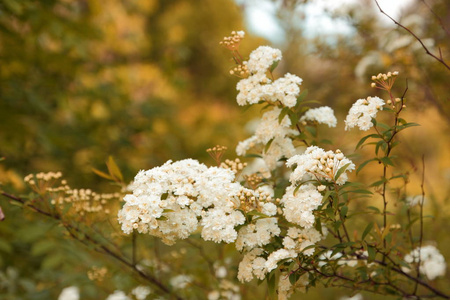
(293, 220)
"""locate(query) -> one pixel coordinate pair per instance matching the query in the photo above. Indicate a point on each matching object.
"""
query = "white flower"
(321, 115)
(118, 295)
(317, 163)
(355, 297)
(180, 281)
(258, 234)
(141, 292)
(277, 256)
(299, 205)
(70, 293)
(432, 263)
(262, 58)
(245, 271)
(414, 200)
(362, 112)
(168, 201)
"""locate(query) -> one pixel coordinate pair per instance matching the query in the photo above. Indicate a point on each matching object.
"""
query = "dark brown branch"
(98, 246)
(415, 36)
(437, 18)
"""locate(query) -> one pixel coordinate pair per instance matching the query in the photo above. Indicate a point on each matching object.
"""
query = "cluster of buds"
(41, 182)
(216, 153)
(232, 42)
(384, 81)
(250, 200)
(81, 201)
(234, 165)
(97, 274)
(240, 71)
(253, 180)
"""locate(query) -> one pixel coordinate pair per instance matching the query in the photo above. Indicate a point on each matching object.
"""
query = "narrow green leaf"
(266, 148)
(372, 253)
(102, 174)
(283, 114)
(374, 209)
(114, 169)
(344, 211)
(367, 230)
(312, 130)
(340, 171)
(253, 155)
(361, 166)
(362, 140)
(302, 96)
(274, 65)
(386, 161)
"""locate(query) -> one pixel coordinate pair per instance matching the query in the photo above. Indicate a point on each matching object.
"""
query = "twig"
(415, 36)
(98, 247)
(437, 18)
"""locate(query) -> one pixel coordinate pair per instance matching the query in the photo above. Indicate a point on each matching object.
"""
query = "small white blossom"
(317, 163)
(118, 295)
(432, 263)
(321, 115)
(141, 292)
(262, 58)
(180, 281)
(70, 293)
(362, 112)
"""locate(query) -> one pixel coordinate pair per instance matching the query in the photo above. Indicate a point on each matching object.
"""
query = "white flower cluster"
(319, 164)
(321, 115)
(262, 58)
(300, 204)
(412, 201)
(432, 263)
(258, 86)
(168, 202)
(258, 263)
(70, 293)
(362, 112)
(268, 129)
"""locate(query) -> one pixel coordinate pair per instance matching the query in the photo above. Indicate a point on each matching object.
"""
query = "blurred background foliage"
(146, 81)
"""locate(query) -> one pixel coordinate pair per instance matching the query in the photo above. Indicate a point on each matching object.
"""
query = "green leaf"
(367, 230)
(344, 211)
(362, 140)
(253, 155)
(53, 261)
(364, 164)
(266, 148)
(302, 96)
(293, 117)
(283, 114)
(113, 169)
(340, 171)
(374, 209)
(274, 65)
(372, 252)
(102, 174)
(5, 246)
(42, 247)
(312, 130)
(293, 278)
(386, 161)
(379, 182)
(271, 283)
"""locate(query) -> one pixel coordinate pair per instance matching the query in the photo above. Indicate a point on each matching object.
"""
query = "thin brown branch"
(437, 18)
(414, 35)
(97, 246)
